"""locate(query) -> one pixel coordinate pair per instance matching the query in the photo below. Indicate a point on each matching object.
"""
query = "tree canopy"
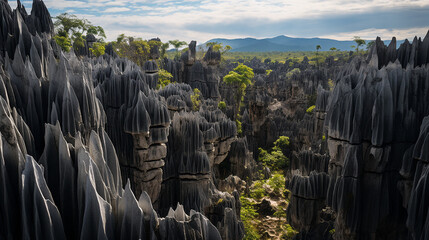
(135, 49)
(177, 44)
(359, 42)
(218, 47)
(71, 31)
(240, 78)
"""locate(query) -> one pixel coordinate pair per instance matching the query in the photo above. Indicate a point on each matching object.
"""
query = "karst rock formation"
(88, 145)
(370, 183)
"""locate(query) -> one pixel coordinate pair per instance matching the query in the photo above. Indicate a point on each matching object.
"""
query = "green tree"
(359, 42)
(222, 105)
(177, 44)
(333, 49)
(71, 31)
(276, 159)
(64, 42)
(135, 49)
(164, 47)
(369, 45)
(239, 78)
(120, 38)
(217, 46)
(98, 49)
(282, 143)
(164, 78)
(249, 216)
(196, 99)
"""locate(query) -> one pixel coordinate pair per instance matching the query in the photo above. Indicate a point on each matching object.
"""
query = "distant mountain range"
(284, 44)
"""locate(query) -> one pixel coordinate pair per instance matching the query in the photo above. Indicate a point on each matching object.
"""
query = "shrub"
(221, 105)
(64, 42)
(164, 78)
(195, 98)
(310, 109)
(249, 215)
(281, 144)
(331, 85)
(97, 49)
(257, 190)
(276, 159)
(290, 233)
(239, 127)
(292, 72)
(277, 183)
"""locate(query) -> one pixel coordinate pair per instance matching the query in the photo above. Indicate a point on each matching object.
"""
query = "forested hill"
(284, 43)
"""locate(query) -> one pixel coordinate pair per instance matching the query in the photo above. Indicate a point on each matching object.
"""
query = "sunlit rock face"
(309, 181)
(83, 143)
(375, 120)
(140, 121)
(276, 103)
(197, 142)
(203, 74)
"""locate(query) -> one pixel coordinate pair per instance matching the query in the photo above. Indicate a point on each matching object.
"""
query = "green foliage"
(218, 47)
(164, 78)
(240, 78)
(276, 159)
(135, 49)
(96, 31)
(177, 44)
(331, 85)
(257, 190)
(63, 42)
(249, 216)
(359, 42)
(196, 99)
(333, 49)
(97, 49)
(164, 47)
(332, 231)
(222, 105)
(281, 144)
(293, 72)
(290, 233)
(277, 182)
(369, 45)
(239, 126)
(268, 72)
(310, 109)
(282, 57)
(323, 138)
(318, 47)
(70, 31)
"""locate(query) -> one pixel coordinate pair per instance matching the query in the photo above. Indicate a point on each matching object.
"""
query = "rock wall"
(81, 139)
(374, 118)
(203, 74)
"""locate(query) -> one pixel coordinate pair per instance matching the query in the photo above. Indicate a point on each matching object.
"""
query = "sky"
(202, 20)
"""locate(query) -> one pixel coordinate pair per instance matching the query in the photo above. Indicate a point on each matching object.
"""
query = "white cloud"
(384, 34)
(116, 10)
(170, 19)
